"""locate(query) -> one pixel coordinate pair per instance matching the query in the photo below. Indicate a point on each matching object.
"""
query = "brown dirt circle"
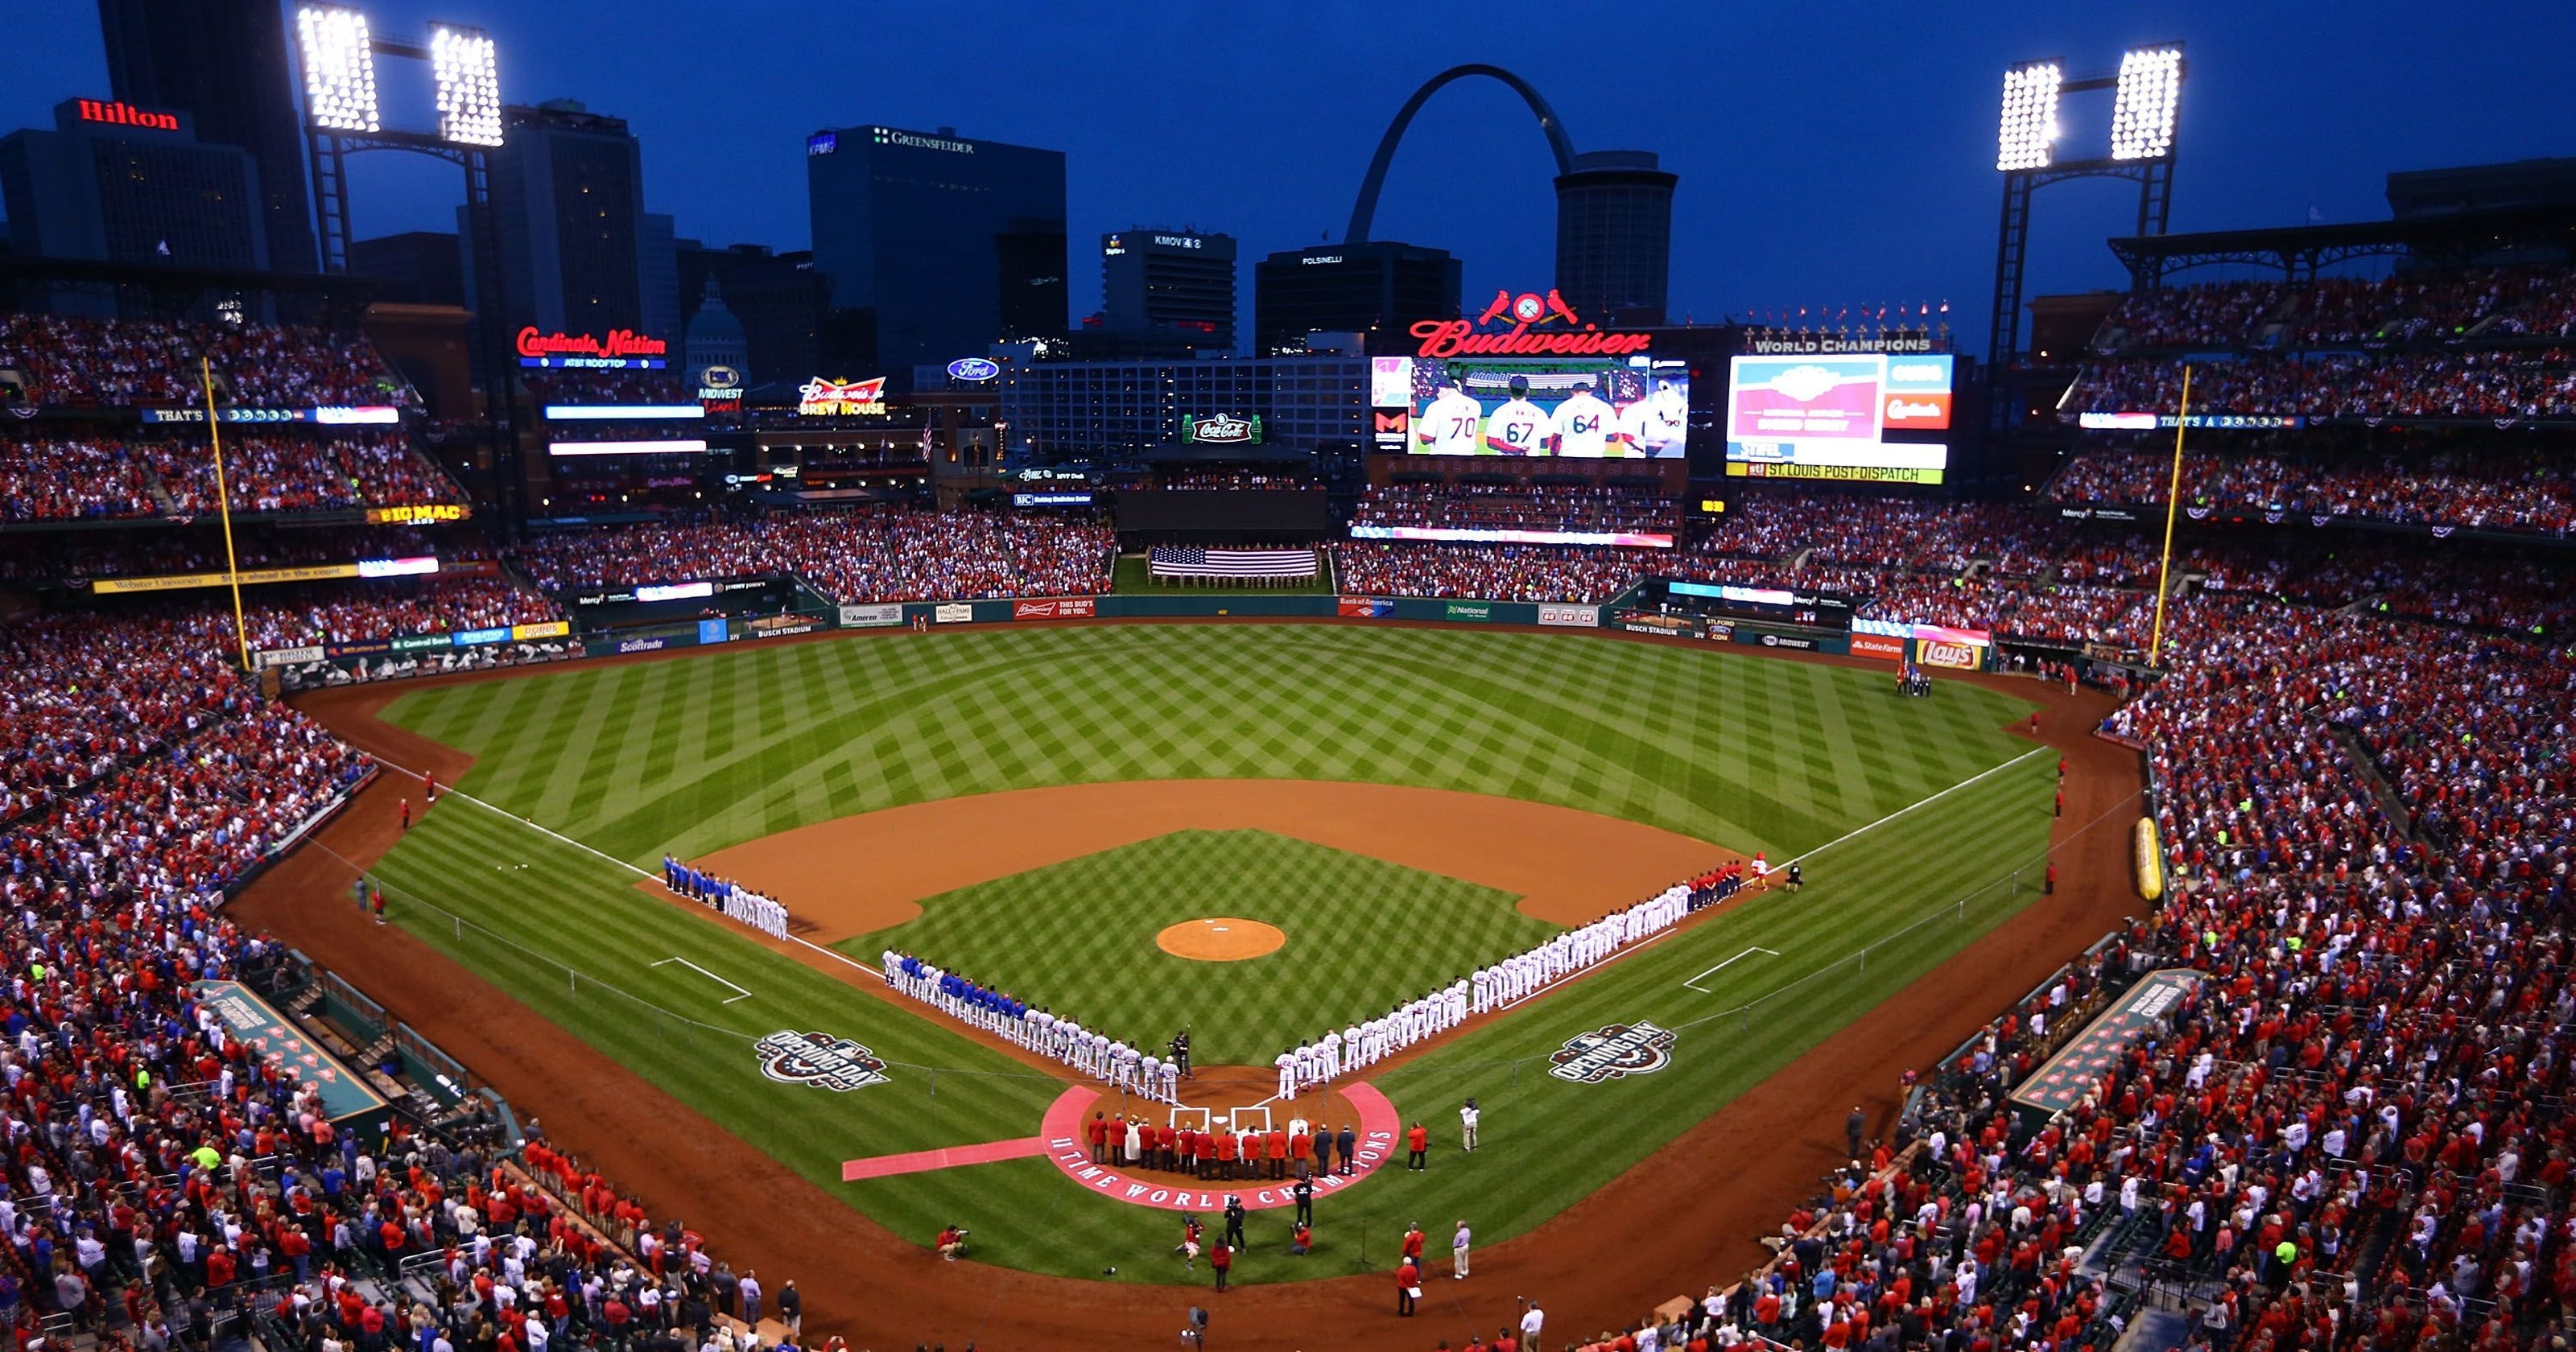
(885, 1290)
(1224, 938)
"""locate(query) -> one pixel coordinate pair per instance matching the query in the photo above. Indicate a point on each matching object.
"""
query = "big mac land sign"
(1533, 319)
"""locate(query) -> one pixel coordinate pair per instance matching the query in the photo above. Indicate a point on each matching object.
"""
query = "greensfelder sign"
(251, 1020)
(1470, 610)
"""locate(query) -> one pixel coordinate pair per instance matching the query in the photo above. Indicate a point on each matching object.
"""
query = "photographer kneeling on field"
(951, 1242)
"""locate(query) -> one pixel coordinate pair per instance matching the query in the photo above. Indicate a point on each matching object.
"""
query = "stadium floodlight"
(2142, 118)
(339, 68)
(469, 85)
(2028, 135)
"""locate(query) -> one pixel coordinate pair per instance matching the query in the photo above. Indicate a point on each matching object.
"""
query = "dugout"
(2144, 1012)
(617, 610)
(248, 1018)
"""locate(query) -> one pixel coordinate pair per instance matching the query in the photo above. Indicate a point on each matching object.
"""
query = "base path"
(1743, 1167)
(851, 875)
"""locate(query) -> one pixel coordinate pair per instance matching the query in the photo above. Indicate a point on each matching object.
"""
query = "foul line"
(704, 973)
(602, 854)
(1847, 835)
(1693, 983)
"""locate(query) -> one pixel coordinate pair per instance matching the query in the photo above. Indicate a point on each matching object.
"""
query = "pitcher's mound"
(1221, 938)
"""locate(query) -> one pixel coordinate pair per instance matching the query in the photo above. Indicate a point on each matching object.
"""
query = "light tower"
(336, 52)
(2147, 93)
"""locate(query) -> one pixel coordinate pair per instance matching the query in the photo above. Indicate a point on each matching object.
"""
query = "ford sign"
(973, 368)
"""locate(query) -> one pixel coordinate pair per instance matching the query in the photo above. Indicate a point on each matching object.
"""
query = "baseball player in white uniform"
(1582, 425)
(1286, 1063)
(1519, 427)
(1449, 422)
(1659, 431)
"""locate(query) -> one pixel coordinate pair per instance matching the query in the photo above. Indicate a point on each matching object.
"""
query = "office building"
(2481, 187)
(1614, 236)
(777, 298)
(1112, 409)
(1159, 282)
(934, 245)
(579, 254)
(1348, 288)
(131, 185)
(224, 64)
(417, 267)
(712, 336)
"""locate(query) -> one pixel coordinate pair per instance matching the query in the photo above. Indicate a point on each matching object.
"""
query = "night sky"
(1830, 155)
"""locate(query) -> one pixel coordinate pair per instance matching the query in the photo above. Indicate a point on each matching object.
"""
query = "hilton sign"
(125, 115)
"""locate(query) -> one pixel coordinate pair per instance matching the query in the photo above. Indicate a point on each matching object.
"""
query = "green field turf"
(1135, 577)
(1078, 938)
(694, 754)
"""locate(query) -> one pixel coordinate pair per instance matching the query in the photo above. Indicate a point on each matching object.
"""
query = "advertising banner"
(1878, 646)
(322, 572)
(413, 643)
(712, 631)
(1632, 539)
(779, 626)
(1570, 617)
(884, 616)
(290, 657)
(1364, 607)
(1648, 622)
(1953, 649)
(549, 629)
(1804, 398)
(1058, 608)
(1468, 610)
(366, 648)
(953, 612)
(469, 638)
(640, 645)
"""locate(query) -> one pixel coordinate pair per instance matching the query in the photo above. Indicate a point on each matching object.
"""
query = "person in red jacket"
(1408, 1286)
(1274, 1148)
(1418, 1142)
(1226, 1149)
(1221, 1258)
(1097, 1129)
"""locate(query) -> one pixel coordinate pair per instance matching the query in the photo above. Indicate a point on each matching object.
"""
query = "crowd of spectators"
(1520, 506)
(117, 363)
(287, 472)
(1489, 572)
(2516, 383)
(1221, 480)
(304, 614)
(2480, 303)
(875, 554)
(82, 694)
(46, 556)
(72, 479)
(2510, 488)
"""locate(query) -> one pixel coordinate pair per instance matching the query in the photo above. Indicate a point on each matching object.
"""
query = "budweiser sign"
(619, 343)
(1533, 333)
(821, 398)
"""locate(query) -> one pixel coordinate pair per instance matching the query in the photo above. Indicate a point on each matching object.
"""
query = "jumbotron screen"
(1829, 416)
(1579, 408)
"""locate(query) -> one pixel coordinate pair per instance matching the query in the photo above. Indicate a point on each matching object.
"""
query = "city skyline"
(1861, 179)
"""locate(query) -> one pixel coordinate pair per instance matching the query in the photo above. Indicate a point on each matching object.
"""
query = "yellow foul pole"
(2173, 504)
(224, 506)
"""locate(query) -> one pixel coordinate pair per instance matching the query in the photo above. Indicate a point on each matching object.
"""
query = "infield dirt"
(1609, 1257)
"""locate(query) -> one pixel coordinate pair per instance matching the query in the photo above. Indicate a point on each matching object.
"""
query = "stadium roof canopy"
(2298, 251)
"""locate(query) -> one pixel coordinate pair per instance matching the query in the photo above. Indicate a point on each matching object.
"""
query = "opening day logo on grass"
(1615, 1052)
(819, 1060)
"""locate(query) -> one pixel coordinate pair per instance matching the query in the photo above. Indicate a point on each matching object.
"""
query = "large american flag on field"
(1190, 561)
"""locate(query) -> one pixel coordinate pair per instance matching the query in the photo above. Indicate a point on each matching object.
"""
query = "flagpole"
(224, 507)
(2173, 502)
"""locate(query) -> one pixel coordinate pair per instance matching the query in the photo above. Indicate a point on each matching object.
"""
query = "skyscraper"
(579, 254)
(1349, 288)
(1614, 236)
(1169, 283)
(130, 185)
(224, 64)
(935, 245)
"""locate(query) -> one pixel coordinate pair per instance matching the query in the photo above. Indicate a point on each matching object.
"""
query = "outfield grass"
(1078, 938)
(1135, 577)
(693, 754)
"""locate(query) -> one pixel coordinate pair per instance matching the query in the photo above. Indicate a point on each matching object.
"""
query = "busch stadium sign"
(1613, 1053)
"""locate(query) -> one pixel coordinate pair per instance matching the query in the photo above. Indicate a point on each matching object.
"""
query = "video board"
(1829, 416)
(1589, 408)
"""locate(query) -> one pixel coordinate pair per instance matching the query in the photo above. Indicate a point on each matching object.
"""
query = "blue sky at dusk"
(1830, 155)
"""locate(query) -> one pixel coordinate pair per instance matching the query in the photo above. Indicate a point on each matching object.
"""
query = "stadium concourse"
(2352, 1133)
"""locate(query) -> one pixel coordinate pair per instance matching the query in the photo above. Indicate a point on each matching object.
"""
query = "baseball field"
(1043, 808)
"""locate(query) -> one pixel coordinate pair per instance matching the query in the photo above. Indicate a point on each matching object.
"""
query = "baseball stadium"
(1580, 832)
